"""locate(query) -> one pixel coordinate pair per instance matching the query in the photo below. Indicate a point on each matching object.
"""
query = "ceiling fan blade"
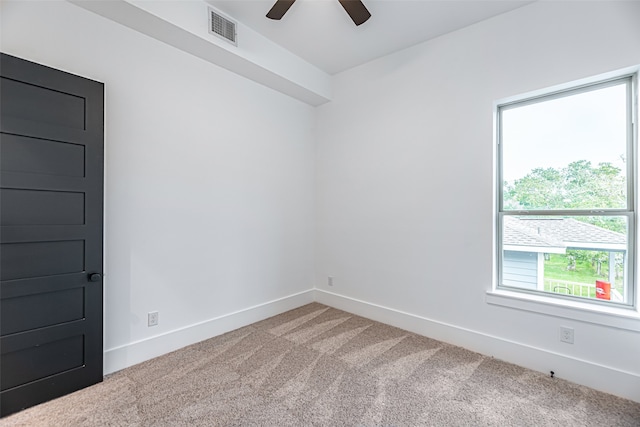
(279, 9)
(356, 10)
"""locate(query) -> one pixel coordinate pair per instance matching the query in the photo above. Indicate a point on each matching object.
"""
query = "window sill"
(614, 317)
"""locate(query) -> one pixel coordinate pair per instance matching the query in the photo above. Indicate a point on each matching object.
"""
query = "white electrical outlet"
(566, 334)
(152, 318)
(330, 281)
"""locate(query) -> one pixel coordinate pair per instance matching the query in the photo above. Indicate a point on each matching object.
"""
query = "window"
(566, 209)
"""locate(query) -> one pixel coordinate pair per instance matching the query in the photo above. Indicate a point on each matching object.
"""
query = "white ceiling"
(321, 32)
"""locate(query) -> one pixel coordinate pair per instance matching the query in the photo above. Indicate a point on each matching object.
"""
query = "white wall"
(182, 24)
(209, 182)
(405, 184)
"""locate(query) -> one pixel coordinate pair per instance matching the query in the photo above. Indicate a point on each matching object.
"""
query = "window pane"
(581, 256)
(566, 153)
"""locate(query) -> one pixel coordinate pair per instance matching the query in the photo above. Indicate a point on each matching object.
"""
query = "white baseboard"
(593, 375)
(133, 353)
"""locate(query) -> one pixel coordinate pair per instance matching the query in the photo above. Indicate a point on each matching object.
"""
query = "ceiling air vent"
(223, 27)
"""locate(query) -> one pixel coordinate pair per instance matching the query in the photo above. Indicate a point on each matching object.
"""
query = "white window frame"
(597, 311)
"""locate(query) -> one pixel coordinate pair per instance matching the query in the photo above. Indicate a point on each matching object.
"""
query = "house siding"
(520, 269)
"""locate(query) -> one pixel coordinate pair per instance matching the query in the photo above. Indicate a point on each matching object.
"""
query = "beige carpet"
(318, 366)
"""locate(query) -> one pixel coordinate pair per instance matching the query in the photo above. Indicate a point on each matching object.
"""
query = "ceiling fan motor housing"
(356, 10)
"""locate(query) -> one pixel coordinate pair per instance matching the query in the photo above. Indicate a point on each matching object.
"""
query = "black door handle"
(95, 277)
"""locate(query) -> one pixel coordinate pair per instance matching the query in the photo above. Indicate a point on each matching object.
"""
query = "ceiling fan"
(355, 8)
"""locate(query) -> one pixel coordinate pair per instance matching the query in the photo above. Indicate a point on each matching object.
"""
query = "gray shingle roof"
(556, 233)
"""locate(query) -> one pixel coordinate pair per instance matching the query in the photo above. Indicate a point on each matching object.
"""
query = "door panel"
(53, 308)
(40, 156)
(51, 210)
(36, 259)
(22, 207)
(42, 105)
(33, 363)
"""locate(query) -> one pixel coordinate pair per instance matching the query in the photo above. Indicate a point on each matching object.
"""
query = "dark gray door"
(51, 190)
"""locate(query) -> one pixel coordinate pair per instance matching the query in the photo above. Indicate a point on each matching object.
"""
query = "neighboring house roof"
(555, 235)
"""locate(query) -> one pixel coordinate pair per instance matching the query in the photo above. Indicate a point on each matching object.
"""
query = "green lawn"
(556, 268)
